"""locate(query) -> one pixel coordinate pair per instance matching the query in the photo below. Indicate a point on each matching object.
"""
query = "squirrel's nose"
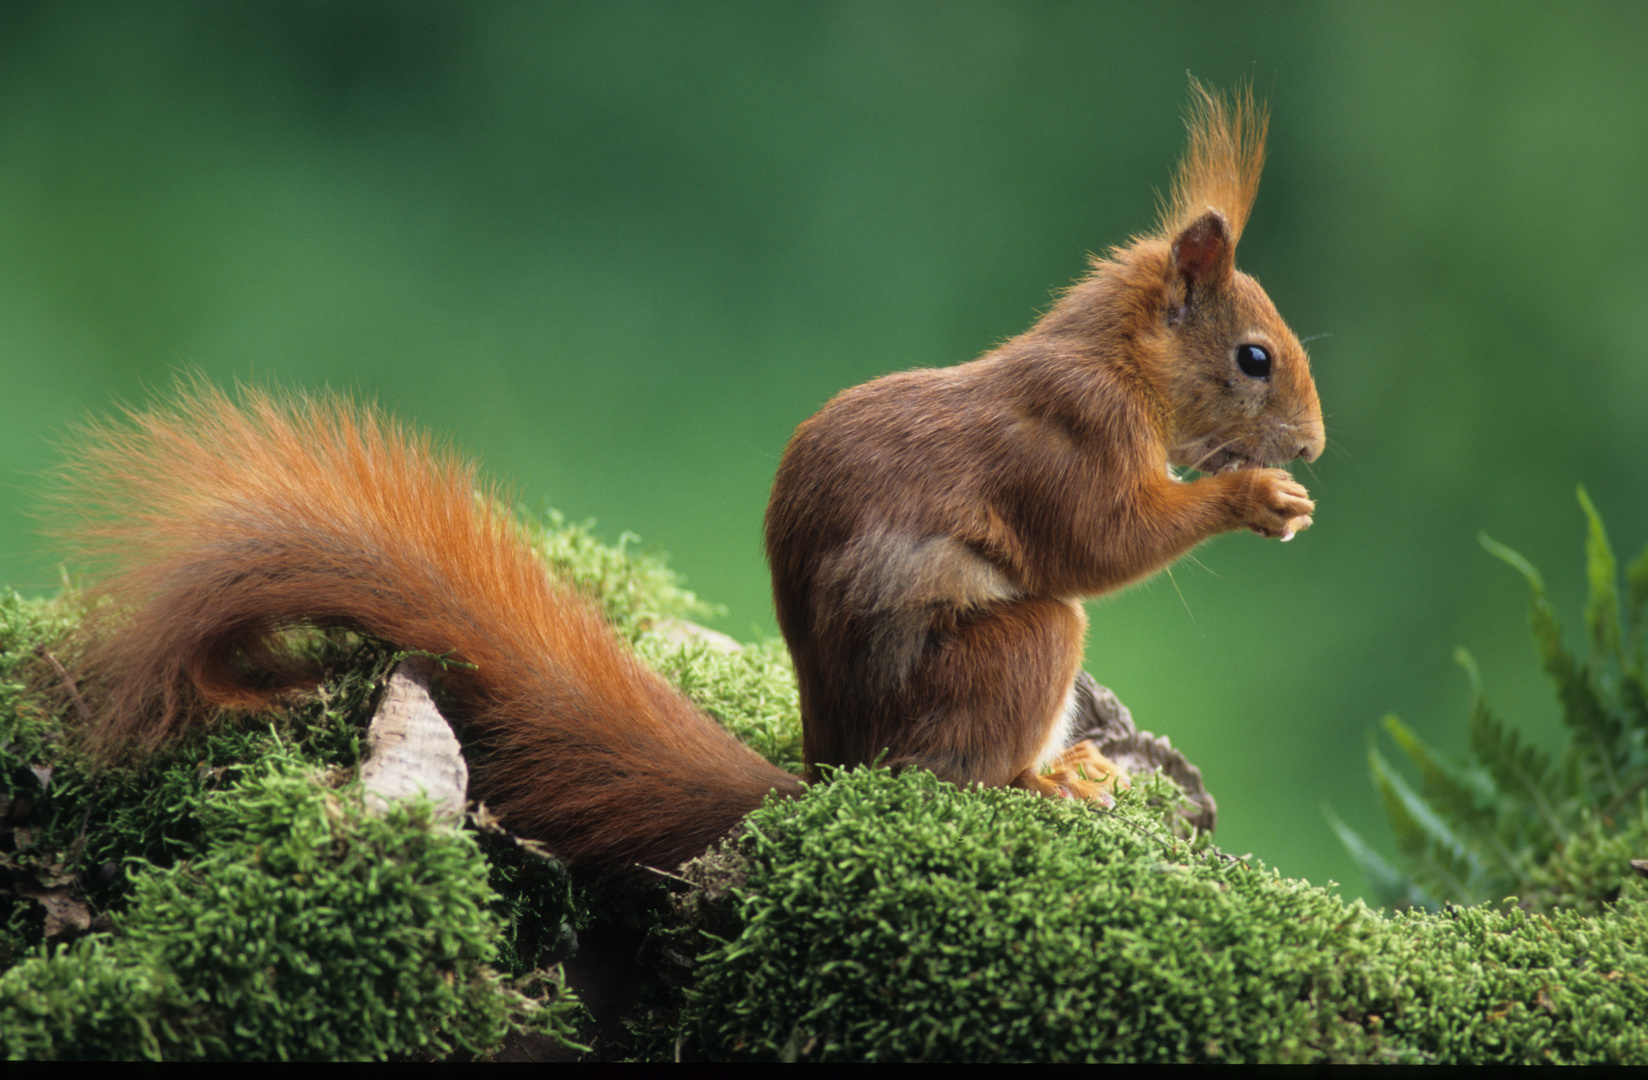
(1310, 447)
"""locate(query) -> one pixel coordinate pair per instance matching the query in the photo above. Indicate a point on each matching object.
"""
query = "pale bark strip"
(411, 748)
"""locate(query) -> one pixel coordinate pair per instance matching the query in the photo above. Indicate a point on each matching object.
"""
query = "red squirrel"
(929, 534)
(932, 533)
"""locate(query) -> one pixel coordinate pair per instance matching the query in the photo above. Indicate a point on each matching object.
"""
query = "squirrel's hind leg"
(989, 692)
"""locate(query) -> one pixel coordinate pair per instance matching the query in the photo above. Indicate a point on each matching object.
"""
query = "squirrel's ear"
(1204, 254)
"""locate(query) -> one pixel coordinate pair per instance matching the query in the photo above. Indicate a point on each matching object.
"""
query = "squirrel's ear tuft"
(1221, 165)
(1204, 253)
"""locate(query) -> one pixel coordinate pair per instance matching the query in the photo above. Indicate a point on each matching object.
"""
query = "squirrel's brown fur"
(931, 533)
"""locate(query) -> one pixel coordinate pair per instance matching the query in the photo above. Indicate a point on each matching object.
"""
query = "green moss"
(72, 826)
(26, 627)
(896, 918)
(310, 928)
(752, 692)
(1592, 868)
(634, 589)
(1519, 987)
(33, 841)
(899, 918)
(538, 903)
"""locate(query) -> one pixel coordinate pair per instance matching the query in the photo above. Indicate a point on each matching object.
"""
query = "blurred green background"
(617, 251)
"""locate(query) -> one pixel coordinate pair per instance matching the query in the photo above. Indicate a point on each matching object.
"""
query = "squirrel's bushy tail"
(223, 525)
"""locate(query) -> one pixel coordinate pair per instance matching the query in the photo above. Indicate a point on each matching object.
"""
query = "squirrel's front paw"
(1278, 505)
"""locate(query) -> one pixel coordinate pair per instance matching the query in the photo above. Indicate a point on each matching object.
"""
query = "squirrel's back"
(221, 526)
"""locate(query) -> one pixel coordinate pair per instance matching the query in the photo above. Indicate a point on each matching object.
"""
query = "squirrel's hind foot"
(1079, 772)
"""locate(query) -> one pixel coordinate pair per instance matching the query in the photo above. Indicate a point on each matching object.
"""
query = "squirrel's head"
(1236, 379)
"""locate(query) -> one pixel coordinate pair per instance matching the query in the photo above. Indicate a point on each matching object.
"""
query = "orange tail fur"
(223, 526)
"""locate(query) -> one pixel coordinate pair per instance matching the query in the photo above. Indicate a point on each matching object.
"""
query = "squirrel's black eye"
(1254, 360)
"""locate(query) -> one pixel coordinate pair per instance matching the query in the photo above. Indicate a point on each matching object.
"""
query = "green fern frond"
(1440, 861)
(1508, 820)
(1394, 888)
(1636, 599)
(1634, 695)
(1542, 618)
(1520, 769)
(1602, 605)
(1466, 802)
(1582, 708)
(1444, 790)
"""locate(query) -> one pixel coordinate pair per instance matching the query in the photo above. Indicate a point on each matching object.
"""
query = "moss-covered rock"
(230, 898)
(309, 929)
(897, 918)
